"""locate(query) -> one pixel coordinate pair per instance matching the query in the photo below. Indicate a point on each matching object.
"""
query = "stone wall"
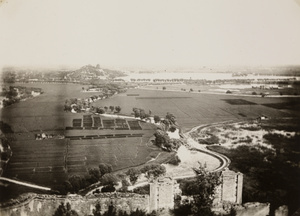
(47, 204)
(253, 209)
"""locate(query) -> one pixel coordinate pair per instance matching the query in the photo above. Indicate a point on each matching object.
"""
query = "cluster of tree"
(140, 113)
(79, 105)
(8, 76)
(202, 189)
(265, 170)
(63, 210)
(105, 109)
(150, 171)
(101, 173)
(163, 141)
(14, 94)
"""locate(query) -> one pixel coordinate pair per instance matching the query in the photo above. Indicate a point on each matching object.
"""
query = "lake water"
(207, 76)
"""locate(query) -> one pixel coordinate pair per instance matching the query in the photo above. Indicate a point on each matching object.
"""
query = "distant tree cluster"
(85, 105)
(101, 173)
(14, 94)
(151, 171)
(140, 113)
(113, 211)
(9, 76)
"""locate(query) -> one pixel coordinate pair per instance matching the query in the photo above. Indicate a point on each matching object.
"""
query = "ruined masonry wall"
(47, 204)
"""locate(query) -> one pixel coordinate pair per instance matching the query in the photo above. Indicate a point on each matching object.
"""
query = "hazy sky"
(149, 33)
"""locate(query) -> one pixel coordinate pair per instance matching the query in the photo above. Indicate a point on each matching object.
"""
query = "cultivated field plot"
(87, 121)
(119, 148)
(77, 123)
(38, 161)
(239, 102)
(121, 124)
(134, 125)
(109, 124)
(97, 121)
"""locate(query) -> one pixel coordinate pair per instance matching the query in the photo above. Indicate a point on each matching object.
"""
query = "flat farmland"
(38, 161)
(193, 109)
(49, 162)
(44, 112)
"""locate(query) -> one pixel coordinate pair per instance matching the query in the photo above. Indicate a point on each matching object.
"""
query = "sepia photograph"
(150, 108)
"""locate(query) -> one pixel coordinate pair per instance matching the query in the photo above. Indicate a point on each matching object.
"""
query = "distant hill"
(85, 73)
(88, 72)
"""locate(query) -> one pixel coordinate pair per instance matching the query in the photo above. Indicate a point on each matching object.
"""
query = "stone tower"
(162, 192)
(231, 187)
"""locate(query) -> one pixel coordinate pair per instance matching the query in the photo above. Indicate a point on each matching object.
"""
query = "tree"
(171, 118)
(175, 160)
(111, 211)
(77, 182)
(125, 185)
(97, 210)
(100, 110)
(164, 88)
(156, 119)
(204, 191)
(133, 174)
(136, 112)
(161, 138)
(95, 174)
(112, 108)
(63, 210)
(109, 179)
(118, 109)
(153, 170)
(105, 168)
(105, 108)
(9, 76)
(142, 114)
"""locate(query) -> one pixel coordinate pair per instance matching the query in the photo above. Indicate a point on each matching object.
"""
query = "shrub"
(175, 160)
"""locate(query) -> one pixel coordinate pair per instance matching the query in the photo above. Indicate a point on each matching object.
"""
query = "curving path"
(25, 184)
(224, 161)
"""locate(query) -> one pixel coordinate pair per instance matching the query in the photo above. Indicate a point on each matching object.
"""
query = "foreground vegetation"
(270, 174)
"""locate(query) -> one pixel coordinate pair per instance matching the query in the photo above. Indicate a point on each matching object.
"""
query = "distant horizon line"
(146, 68)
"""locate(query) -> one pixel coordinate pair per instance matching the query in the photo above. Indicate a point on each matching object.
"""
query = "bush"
(108, 188)
(175, 160)
(228, 92)
(142, 190)
(133, 174)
